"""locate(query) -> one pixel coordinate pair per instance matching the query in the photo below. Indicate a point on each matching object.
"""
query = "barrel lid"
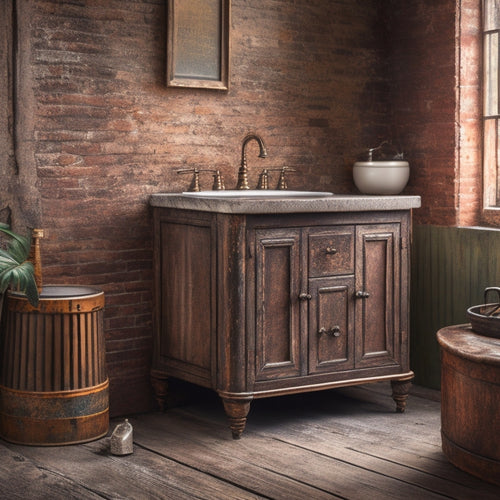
(62, 292)
(59, 299)
(67, 291)
(463, 342)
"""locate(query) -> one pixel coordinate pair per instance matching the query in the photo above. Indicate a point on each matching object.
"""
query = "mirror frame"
(220, 46)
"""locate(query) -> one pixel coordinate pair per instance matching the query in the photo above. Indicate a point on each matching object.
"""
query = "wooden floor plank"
(211, 450)
(291, 461)
(347, 443)
(408, 445)
(360, 426)
(20, 478)
(142, 475)
(428, 474)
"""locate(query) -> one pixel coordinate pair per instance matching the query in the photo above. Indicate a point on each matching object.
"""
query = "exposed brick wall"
(105, 132)
(469, 102)
(424, 98)
(436, 97)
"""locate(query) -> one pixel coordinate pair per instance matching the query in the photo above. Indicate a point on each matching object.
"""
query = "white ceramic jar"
(381, 177)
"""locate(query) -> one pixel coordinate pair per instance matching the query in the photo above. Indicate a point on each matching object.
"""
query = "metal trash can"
(54, 387)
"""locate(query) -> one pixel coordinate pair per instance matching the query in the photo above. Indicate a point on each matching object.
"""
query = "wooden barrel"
(470, 401)
(53, 381)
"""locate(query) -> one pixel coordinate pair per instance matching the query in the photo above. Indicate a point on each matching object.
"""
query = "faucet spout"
(243, 171)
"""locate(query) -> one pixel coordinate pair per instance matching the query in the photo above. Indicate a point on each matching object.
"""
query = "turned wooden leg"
(400, 391)
(159, 381)
(236, 410)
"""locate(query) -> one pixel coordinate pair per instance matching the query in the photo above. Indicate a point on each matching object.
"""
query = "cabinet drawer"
(331, 251)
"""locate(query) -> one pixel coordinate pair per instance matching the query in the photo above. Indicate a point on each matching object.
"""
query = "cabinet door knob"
(330, 251)
(361, 294)
(305, 296)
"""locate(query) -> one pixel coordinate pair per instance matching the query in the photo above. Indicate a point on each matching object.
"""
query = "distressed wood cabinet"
(263, 305)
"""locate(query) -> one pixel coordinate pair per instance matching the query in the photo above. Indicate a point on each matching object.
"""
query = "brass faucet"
(243, 171)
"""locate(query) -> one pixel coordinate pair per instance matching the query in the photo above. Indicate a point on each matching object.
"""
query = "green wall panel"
(451, 267)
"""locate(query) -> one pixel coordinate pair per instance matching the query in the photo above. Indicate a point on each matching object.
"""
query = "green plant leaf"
(19, 249)
(6, 258)
(15, 270)
(4, 228)
(31, 290)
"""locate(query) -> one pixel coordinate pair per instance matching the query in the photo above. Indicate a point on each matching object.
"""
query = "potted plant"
(16, 270)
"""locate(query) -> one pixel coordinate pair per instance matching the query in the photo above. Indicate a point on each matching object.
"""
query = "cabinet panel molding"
(331, 320)
(377, 292)
(331, 251)
(276, 321)
(186, 309)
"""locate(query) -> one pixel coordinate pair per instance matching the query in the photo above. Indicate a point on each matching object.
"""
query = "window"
(491, 103)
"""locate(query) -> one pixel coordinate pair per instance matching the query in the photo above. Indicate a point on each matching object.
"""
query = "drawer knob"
(361, 294)
(334, 331)
(330, 251)
(305, 296)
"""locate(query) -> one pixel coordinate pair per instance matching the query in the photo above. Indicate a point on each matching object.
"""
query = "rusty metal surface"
(53, 351)
(54, 387)
(47, 419)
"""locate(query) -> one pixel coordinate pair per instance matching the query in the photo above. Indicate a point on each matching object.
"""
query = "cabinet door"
(377, 296)
(331, 320)
(277, 327)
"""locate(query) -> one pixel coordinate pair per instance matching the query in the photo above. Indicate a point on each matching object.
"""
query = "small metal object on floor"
(122, 439)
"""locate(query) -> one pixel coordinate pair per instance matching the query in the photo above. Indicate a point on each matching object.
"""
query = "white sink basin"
(257, 193)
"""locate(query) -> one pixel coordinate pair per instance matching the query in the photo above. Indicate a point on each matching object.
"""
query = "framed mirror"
(198, 43)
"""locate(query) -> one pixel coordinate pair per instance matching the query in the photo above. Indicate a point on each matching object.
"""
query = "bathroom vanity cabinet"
(255, 305)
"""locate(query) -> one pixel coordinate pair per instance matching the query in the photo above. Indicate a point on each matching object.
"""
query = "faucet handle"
(282, 184)
(263, 180)
(218, 184)
(195, 183)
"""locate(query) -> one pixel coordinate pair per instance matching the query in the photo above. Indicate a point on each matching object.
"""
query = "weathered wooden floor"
(347, 443)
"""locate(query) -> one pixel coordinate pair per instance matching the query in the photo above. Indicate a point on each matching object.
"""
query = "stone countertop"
(257, 205)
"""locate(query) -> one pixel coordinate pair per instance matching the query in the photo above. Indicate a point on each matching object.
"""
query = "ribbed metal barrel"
(53, 384)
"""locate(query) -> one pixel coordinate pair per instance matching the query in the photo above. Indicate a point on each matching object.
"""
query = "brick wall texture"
(98, 131)
(436, 105)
